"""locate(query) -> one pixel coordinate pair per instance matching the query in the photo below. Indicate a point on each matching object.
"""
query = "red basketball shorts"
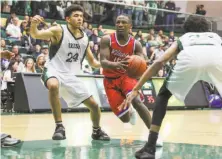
(117, 90)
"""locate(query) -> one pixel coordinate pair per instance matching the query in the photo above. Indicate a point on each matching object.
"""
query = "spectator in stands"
(27, 41)
(19, 59)
(160, 14)
(15, 49)
(3, 45)
(94, 37)
(139, 35)
(159, 51)
(27, 18)
(160, 37)
(3, 32)
(90, 29)
(138, 11)
(170, 5)
(172, 38)
(45, 51)
(200, 10)
(37, 51)
(152, 32)
(4, 50)
(6, 6)
(29, 66)
(128, 8)
(86, 30)
(119, 8)
(151, 13)
(151, 41)
(95, 50)
(88, 11)
(7, 76)
(91, 45)
(9, 19)
(100, 30)
(13, 30)
(24, 27)
(161, 73)
(40, 64)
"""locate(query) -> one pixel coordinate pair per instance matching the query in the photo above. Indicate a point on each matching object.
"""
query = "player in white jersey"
(69, 46)
(199, 57)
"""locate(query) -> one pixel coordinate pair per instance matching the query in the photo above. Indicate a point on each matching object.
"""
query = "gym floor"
(193, 134)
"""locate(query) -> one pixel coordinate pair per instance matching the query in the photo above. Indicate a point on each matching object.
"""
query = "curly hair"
(196, 24)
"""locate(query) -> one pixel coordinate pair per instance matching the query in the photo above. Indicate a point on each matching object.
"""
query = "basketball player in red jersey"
(114, 52)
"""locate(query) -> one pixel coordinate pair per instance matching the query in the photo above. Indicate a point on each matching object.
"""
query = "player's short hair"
(196, 24)
(126, 15)
(74, 7)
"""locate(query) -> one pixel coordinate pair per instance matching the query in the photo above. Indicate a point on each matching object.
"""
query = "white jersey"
(200, 58)
(195, 39)
(67, 56)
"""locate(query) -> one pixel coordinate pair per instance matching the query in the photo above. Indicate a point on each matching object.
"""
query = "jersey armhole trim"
(84, 53)
(53, 52)
(134, 46)
(180, 46)
(110, 42)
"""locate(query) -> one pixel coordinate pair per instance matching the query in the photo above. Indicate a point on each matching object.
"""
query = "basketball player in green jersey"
(199, 57)
(69, 46)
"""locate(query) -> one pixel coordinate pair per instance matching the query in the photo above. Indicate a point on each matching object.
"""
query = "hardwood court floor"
(186, 134)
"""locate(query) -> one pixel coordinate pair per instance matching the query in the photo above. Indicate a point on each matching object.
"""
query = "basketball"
(137, 66)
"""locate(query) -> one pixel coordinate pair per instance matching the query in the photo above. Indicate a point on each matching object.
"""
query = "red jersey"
(118, 53)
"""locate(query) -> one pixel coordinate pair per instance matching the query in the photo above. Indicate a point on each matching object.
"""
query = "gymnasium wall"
(32, 96)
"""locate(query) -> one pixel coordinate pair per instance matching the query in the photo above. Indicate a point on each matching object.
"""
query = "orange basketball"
(137, 66)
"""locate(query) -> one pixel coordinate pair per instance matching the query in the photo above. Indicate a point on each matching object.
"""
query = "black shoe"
(100, 135)
(59, 133)
(147, 152)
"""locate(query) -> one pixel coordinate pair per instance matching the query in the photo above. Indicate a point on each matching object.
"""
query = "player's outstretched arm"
(157, 65)
(42, 34)
(92, 61)
(151, 71)
(105, 56)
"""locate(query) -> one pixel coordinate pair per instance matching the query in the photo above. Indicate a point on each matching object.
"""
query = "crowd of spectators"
(31, 54)
(102, 12)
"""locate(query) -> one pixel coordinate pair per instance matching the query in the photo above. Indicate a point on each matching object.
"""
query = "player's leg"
(52, 83)
(179, 82)
(137, 103)
(148, 151)
(115, 98)
(74, 93)
(95, 114)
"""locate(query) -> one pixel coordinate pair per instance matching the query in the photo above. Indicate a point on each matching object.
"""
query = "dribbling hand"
(123, 64)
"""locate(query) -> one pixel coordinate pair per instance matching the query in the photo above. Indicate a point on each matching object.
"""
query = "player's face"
(75, 19)
(123, 25)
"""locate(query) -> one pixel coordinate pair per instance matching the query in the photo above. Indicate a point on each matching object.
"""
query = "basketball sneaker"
(99, 134)
(59, 133)
(133, 116)
(147, 152)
